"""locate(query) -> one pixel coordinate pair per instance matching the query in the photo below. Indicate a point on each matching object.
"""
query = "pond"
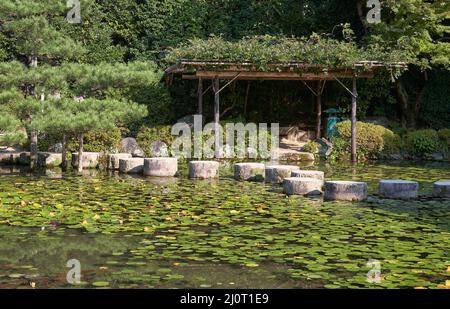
(135, 232)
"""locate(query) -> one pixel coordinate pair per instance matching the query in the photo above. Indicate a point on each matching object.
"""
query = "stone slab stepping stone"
(398, 189)
(302, 186)
(203, 169)
(131, 165)
(21, 158)
(49, 159)
(345, 191)
(309, 174)
(160, 167)
(113, 159)
(441, 189)
(249, 171)
(276, 173)
(90, 159)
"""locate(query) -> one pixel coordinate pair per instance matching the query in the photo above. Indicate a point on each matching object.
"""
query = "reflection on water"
(131, 231)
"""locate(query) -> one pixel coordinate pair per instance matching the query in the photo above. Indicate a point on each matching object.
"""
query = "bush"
(147, 135)
(444, 135)
(372, 140)
(312, 147)
(98, 141)
(422, 142)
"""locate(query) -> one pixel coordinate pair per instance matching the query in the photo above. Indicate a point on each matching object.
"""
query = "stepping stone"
(203, 169)
(398, 189)
(276, 173)
(161, 167)
(90, 159)
(131, 165)
(113, 159)
(302, 186)
(249, 171)
(441, 189)
(345, 191)
(49, 159)
(309, 174)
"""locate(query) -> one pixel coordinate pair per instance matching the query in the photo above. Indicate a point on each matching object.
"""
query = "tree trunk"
(64, 153)
(80, 152)
(33, 148)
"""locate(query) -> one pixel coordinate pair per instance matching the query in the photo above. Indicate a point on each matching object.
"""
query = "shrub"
(147, 135)
(312, 147)
(422, 142)
(372, 140)
(98, 141)
(444, 135)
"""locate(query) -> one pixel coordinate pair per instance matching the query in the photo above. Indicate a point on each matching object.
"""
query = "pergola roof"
(198, 69)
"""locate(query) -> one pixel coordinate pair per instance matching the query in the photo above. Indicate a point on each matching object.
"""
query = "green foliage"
(312, 147)
(422, 142)
(444, 134)
(98, 141)
(263, 50)
(372, 140)
(435, 107)
(148, 135)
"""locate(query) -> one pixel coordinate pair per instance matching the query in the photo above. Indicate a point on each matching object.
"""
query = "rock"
(276, 173)
(90, 159)
(302, 186)
(398, 189)
(159, 149)
(308, 174)
(441, 189)
(203, 169)
(55, 148)
(436, 157)
(325, 147)
(345, 191)
(113, 160)
(395, 157)
(249, 171)
(49, 159)
(129, 145)
(161, 167)
(189, 120)
(131, 165)
(11, 158)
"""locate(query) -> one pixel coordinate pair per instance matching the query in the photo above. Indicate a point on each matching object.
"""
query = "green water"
(134, 232)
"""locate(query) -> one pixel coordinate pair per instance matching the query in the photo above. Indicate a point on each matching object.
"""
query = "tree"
(35, 40)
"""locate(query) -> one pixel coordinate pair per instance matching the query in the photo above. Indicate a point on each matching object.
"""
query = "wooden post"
(354, 96)
(319, 110)
(200, 96)
(216, 118)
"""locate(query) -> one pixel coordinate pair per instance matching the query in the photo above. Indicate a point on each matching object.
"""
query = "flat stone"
(113, 159)
(345, 191)
(10, 158)
(441, 189)
(398, 189)
(203, 169)
(308, 174)
(49, 159)
(161, 167)
(90, 159)
(302, 186)
(249, 171)
(131, 165)
(276, 173)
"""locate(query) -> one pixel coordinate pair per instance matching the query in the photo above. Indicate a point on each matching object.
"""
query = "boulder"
(249, 171)
(345, 191)
(398, 189)
(90, 159)
(276, 173)
(161, 167)
(131, 165)
(325, 147)
(49, 159)
(302, 186)
(113, 160)
(159, 149)
(130, 145)
(441, 189)
(203, 169)
(308, 174)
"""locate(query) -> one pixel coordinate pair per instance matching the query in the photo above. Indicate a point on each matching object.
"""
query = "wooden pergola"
(293, 71)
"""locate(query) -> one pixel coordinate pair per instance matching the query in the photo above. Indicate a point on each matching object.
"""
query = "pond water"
(135, 232)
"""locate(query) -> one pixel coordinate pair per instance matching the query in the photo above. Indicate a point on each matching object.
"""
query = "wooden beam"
(200, 96)
(354, 98)
(216, 88)
(230, 75)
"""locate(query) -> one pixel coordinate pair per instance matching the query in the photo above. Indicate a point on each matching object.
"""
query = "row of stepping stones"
(295, 181)
(298, 182)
